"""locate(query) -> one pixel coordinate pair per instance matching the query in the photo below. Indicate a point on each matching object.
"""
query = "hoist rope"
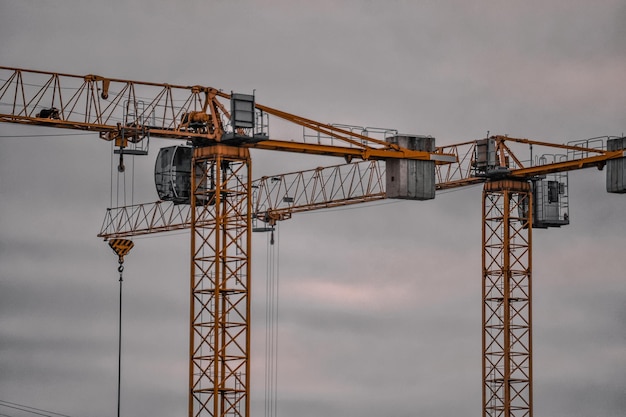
(122, 194)
(111, 177)
(120, 269)
(271, 329)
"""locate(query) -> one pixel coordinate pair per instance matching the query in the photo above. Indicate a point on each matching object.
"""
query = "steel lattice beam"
(220, 281)
(507, 336)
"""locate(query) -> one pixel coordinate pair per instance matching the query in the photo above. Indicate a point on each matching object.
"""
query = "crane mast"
(220, 281)
(507, 298)
(219, 202)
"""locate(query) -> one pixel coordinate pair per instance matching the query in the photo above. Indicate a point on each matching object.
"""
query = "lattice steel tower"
(507, 313)
(220, 282)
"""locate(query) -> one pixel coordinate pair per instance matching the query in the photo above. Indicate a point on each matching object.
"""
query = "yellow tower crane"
(207, 187)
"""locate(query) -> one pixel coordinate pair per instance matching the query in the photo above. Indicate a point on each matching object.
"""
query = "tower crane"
(207, 187)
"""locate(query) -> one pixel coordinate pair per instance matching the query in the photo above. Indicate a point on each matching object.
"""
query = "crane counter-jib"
(351, 152)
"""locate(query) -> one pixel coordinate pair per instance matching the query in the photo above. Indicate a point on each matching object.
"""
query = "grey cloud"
(544, 70)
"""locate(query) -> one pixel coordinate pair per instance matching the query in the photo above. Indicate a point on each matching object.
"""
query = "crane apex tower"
(411, 179)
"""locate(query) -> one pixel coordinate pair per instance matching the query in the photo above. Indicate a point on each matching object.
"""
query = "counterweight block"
(411, 179)
(616, 168)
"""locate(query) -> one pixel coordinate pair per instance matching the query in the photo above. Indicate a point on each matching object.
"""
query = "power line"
(29, 409)
(46, 135)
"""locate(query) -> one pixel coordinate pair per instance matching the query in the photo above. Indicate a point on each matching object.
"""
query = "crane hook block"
(121, 247)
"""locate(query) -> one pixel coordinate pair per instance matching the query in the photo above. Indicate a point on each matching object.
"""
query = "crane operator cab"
(172, 174)
(172, 177)
(550, 202)
(550, 197)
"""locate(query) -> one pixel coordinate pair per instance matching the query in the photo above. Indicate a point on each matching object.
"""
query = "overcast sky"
(380, 305)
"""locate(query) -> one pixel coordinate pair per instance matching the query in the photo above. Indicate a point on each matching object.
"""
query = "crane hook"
(120, 166)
